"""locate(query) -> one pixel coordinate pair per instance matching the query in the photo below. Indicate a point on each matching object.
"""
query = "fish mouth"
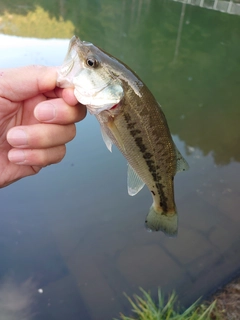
(91, 88)
(95, 110)
(78, 41)
(81, 47)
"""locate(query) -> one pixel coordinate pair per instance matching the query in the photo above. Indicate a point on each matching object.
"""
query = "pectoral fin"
(135, 183)
(106, 139)
(116, 134)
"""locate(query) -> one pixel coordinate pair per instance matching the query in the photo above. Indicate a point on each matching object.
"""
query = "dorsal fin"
(182, 164)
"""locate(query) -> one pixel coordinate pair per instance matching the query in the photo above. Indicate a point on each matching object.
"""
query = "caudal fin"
(167, 223)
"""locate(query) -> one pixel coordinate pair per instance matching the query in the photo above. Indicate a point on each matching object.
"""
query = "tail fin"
(167, 223)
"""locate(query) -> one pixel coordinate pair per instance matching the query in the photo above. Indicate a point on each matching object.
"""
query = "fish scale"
(149, 148)
(131, 118)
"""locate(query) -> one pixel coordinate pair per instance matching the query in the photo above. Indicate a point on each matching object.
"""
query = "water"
(71, 236)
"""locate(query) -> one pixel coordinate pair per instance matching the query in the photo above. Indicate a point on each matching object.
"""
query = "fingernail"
(17, 137)
(45, 112)
(16, 156)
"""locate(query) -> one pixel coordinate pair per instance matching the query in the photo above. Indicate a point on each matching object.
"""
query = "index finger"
(25, 82)
(67, 95)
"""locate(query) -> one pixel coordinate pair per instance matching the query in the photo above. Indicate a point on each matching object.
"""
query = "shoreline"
(227, 299)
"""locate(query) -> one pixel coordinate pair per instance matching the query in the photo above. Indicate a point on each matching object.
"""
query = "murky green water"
(73, 229)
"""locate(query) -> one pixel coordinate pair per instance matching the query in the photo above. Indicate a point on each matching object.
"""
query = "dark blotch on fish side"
(163, 198)
(135, 132)
(131, 125)
(150, 163)
(151, 166)
(147, 155)
(139, 142)
(155, 176)
(127, 117)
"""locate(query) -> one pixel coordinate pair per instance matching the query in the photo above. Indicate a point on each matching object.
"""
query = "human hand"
(36, 121)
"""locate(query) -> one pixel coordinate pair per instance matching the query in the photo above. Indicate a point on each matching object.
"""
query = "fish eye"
(91, 62)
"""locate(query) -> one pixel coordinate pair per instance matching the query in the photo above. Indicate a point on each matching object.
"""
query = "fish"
(130, 118)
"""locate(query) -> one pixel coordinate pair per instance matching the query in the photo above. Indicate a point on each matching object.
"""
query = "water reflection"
(35, 23)
(17, 299)
(203, 78)
(73, 228)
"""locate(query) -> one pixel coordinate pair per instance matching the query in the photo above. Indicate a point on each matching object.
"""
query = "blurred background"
(71, 239)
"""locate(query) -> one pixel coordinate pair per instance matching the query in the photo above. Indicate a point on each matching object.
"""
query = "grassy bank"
(145, 308)
(223, 305)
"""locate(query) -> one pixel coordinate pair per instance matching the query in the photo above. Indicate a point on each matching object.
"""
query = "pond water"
(71, 239)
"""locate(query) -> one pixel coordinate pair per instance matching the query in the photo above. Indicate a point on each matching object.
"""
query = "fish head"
(88, 70)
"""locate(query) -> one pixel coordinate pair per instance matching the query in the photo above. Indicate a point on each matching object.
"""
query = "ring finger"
(37, 157)
(38, 136)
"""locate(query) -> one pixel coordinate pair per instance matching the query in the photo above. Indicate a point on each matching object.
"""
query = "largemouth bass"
(131, 118)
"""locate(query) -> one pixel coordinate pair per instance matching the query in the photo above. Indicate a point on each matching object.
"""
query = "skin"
(37, 119)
